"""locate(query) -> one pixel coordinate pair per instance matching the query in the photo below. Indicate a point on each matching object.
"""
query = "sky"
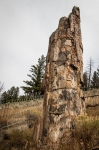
(25, 28)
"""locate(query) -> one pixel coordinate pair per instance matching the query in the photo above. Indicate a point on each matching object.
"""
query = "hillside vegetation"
(85, 136)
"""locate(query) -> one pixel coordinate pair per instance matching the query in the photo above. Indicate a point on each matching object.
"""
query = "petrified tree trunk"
(63, 99)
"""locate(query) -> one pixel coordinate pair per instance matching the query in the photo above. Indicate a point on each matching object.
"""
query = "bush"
(18, 140)
(87, 132)
(85, 136)
(3, 122)
(33, 116)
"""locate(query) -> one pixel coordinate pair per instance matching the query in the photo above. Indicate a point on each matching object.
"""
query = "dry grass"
(93, 111)
(15, 139)
(85, 136)
(18, 140)
(11, 113)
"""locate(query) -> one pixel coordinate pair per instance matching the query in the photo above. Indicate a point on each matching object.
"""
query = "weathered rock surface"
(63, 99)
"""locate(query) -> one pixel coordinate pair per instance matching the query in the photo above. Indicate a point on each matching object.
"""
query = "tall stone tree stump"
(63, 99)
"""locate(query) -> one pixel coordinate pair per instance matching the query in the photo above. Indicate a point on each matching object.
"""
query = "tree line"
(90, 77)
(93, 82)
(33, 86)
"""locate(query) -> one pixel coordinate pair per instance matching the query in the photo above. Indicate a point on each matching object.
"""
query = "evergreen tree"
(94, 81)
(98, 77)
(37, 73)
(85, 81)
(11, 94)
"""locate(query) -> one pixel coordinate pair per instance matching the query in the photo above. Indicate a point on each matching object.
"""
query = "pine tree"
(4, 97)
(94, 81)
(85, 81)
(11, 94)
(98, 77)
(37, 72)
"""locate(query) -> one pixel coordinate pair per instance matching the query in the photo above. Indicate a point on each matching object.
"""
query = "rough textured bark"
(63, 99)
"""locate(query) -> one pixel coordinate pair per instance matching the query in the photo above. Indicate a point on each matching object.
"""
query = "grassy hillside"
(85, 136)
